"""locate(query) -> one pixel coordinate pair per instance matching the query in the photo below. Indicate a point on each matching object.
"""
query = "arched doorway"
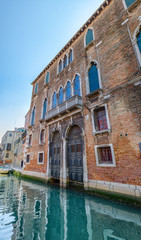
(75, 154)
(55, 155)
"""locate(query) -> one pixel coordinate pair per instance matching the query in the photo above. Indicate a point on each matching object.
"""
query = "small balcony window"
(61, 95)
(54, 100)
(68, 91)
(77, 85)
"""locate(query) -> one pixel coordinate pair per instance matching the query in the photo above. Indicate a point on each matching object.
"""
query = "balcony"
(71, 104)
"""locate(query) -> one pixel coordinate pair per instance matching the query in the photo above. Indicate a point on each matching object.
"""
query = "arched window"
(70, 56)
(68, 91)
(93, 78)
(65, 61)
(61, 95)
(89, 36)
(139, 40)
(77, 85)
(36, 88)
(54, 100)
(33, 116)
(44, 108)
(47, 78)
(60, 65)
(129, 2)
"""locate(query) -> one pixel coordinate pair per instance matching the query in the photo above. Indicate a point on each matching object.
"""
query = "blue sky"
(32, 32)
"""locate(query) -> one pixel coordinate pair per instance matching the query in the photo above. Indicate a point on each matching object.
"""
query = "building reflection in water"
(35, 211)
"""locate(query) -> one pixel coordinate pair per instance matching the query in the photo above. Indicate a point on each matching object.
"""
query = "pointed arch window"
(54, 100)
(89, 36)
(36, 88)
(47, 78)
(129, 2)
(61, 95)
(77, 85)
(33, 117)
(68, 91)
(44, 108)
(70, 56)
(93, 78)
(65, 61)
(139, 40)
(60, 65)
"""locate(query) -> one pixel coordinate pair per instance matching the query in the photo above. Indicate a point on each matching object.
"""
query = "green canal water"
(35, 211)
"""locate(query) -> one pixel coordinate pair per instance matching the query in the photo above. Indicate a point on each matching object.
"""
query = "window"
(42, 136)
(40, 157)
(89, 36)
(68, 91)
(28, 158)
(70, 56)
(60, 65)
(36, 88)
(30, 140)
(101, 121)
(105, 155)
(129, 2)
(10, 134)
(54, 100)
(77, 85)
(7, 155)
(44, 109)
(8, 148)
(65, 61)
(47, 78)
(33, 117)
(60, 95)
(139, 40)
(93, 78)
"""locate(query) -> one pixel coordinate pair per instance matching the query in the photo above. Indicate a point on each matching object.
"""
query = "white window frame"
(73, 84)
(91, 28)
(112, 152)
(135, 43)
(58, 66)
(35, 88)
(26, 158)
(38, 158)
(93, 120)
(31, 140)
(41, 143)
(45, 78)
(125, 5)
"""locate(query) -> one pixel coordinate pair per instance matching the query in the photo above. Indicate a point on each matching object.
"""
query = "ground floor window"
(105, 155)
(40, 157)
(28, 158)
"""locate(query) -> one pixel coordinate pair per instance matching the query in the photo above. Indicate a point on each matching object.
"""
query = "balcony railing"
(74, 102)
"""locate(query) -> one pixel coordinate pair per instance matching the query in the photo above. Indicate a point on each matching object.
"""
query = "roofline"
(81, 30)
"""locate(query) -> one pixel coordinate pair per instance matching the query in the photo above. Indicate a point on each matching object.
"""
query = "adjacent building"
(7, 147)
(84, 122)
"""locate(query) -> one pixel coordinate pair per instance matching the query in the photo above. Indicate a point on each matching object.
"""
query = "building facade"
(85, 124)
(7, 147)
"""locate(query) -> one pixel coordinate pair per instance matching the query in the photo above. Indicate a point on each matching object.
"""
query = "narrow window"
(10, 134)
(27, 158)
(47, 78)
(100, 119)
(61, 95)
(54, 100)
(77, 85)
(30, 140)
(129, 2)
(68, 91)
(104, 155)
(40, 157)
(139, 40)
(89, 36)
(93, 78)
(60, 66)
(42, 136)
(65, 61)
(36, 88)
(8, 148)
(7, 155)
(44, 108)
(70, 56)
(33, 117)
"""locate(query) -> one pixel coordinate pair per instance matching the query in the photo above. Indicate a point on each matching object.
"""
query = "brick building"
(85, 124)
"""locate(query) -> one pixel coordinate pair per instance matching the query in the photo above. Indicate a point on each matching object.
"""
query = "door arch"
(75, 154)
(55, 155)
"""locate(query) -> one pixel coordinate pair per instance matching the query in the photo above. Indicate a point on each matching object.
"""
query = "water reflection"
(33, 211)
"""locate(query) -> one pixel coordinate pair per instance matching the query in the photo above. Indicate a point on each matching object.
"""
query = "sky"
(32, 32)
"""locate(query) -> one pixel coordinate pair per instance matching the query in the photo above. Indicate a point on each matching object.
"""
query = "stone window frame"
(44, 98)
(65, 89)
(31, 116)
(125, 5)
(61, 59)
(93, 119)
(65, 55)
(70, 49)
(138, 54)
(36, 88)
(91, 28)
(38, 158)
(30, 145)
(45, 83)
(112, 152)
(87, 76)
(42, 143)
(80, 84)
(26, 158)
(58, 90)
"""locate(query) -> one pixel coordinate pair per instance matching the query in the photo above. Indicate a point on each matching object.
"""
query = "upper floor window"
(101, 120)
(30, 140)
(93, 78)
(42, 136)
(40, 157)
(139, 40)
(129, 2)
(8, 148)
(68, 90)
(89, 36)
(33, 116)
(70, 56)
(47, 78)
(54, 100)
(36, 88)
(60, 95)
(65, 61)
(60, 65)
(77, 85)
(44, 108)
(10, 134)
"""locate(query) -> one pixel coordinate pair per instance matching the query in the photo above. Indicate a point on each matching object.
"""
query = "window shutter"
(139, 40)
(93, 78)
(89, 36)
(129, 2)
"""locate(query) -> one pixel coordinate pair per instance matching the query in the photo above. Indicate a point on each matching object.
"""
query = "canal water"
(35, 211)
